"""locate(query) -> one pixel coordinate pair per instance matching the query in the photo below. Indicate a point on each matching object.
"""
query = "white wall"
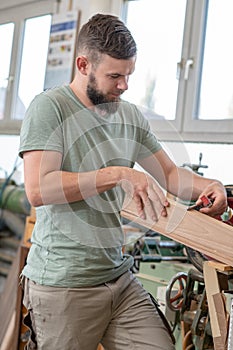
(218, 157)
(87, 7)
(12, 3)
(90, 7)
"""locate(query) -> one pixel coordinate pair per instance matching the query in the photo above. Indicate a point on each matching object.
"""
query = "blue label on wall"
(63, 26)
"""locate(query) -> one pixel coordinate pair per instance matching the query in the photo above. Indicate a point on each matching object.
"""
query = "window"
(33, 65)
(216, 90)
(25, 38)
(183, 77)
(6, 38)
(159, 41)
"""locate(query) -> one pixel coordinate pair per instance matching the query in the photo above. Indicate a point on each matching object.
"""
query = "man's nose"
(122, 83)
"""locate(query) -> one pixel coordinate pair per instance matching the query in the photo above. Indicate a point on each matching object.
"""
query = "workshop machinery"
(173, 273)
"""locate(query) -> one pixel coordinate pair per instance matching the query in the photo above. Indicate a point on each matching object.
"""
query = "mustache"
(121, 91)
(118, 92)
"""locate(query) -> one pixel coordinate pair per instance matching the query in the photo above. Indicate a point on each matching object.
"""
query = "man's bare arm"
(185, 184)
(46, 183)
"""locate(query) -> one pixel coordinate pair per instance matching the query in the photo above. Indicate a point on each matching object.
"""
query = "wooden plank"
(10, 242)
(8, 297)
(29, 226)
(191, 228)
(220, 266)
(7, 341)
(18, 319)
(7, 255)
(4, 270)
(216, 306)
(212, 288)
(100, 347)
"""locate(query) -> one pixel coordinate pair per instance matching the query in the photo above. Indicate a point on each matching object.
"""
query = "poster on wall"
(61, 51)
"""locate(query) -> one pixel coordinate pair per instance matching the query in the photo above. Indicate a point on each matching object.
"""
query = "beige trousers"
(119, 314)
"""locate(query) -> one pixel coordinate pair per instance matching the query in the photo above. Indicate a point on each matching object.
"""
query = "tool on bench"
(206, 203)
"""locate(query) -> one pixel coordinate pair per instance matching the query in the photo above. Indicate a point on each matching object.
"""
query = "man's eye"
(114, 76)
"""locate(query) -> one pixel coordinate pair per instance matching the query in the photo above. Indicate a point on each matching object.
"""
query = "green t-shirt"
(80, 244)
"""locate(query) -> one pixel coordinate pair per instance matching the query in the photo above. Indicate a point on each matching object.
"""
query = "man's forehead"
(117, 66)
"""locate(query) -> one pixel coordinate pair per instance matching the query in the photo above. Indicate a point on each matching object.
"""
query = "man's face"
(108, 82)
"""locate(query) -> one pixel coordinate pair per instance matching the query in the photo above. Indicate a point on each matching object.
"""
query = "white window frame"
(18, 16)
(184, 127)
(196, 129)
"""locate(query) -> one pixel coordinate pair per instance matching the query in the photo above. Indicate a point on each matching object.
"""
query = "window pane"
(6, 38)
(216, 97)
(34, 57)
(157, 26)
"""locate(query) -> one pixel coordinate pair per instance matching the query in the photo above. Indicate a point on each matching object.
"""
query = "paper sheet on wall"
(61, 50)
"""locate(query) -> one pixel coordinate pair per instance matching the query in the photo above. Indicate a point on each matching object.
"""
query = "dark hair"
(106, 34)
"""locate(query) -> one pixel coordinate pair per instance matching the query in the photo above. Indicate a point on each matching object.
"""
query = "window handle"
(10, 81)
(188, 65)
(180, 66)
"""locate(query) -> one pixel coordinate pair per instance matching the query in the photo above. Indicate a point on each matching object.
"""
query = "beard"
(98, 98)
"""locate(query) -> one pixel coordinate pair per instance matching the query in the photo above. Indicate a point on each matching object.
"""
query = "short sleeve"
(42, 126)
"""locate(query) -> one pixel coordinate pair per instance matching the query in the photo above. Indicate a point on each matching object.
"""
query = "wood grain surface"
(191, 228)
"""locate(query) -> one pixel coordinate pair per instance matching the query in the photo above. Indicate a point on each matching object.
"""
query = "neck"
(79, 91)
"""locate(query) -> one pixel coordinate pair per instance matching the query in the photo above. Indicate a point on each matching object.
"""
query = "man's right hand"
(146, 193)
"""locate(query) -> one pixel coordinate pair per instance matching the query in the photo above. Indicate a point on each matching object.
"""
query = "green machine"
(172, 274)
(13, 198)
(14, 207)
(156, 260)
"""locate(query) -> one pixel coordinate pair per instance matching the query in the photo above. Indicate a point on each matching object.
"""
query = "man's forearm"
(185, 184)
(59, 187)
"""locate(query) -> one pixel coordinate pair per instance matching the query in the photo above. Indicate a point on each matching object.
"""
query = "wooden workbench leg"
(216, 307)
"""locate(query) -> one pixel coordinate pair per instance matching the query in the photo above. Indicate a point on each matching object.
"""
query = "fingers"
(217, 194)
(147, 207)
(216, 209)
(146, 193)
(140, 206)
(152, 202)
(157, 195)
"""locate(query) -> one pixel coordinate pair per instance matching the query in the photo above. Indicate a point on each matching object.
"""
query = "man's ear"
(82, 64)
